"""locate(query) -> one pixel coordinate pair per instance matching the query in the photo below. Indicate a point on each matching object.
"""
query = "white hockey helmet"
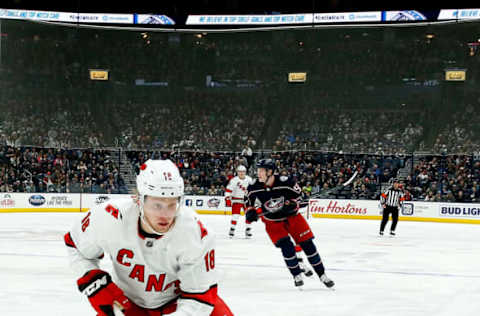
(241, 168)
(160, 178)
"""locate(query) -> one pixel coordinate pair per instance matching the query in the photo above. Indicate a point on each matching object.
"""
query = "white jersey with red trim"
(151, 271)
(237, 188)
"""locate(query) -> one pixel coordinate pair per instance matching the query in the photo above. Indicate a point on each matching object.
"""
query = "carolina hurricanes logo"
(274, 205)
(241, 187)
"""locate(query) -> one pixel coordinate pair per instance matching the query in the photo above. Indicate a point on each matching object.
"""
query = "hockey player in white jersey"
(234, 199)
(163, 256)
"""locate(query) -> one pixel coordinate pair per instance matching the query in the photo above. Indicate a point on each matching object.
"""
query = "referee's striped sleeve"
(383, 197)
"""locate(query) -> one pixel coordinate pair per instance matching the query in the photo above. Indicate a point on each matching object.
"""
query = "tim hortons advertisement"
(343, 207)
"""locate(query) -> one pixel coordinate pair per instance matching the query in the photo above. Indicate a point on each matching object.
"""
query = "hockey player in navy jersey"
(276, 199)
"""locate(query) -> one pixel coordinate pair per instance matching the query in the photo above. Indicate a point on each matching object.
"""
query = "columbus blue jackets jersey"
(278, 201)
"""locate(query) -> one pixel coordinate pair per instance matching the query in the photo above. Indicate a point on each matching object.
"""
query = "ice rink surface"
(428, 269)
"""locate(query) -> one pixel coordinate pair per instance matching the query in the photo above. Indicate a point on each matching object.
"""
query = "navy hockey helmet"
(266, 163)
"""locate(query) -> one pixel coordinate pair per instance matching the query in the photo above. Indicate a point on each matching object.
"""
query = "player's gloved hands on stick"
(102, 292)
(251, 215)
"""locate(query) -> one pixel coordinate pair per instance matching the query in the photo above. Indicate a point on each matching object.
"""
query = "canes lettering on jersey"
(155, 282)
(276, 202)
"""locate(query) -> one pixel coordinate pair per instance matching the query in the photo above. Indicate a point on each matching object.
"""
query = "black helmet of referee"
(266, 163)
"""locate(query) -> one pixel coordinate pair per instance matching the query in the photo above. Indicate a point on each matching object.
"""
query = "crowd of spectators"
(319, 172)
(459, 134)
(158, 96)
(316, 172)
(344, 130)
(198, 121)
(452, 178)
(204, 173)
(199, 99)
(44, 126)
(31, 169)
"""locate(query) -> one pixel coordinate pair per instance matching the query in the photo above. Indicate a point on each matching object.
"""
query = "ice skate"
(304, 267)
(248, 233)
(392, 233)
(381, 233)
(298, 281)
(231, 233)
(328, 283)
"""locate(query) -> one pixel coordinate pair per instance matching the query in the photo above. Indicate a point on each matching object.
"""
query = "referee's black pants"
(386, 213)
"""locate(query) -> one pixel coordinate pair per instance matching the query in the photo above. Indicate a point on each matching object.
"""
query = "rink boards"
(318, 208)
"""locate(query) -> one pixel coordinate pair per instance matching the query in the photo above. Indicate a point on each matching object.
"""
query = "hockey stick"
(351, 179)
(327, 192)
(338, 187)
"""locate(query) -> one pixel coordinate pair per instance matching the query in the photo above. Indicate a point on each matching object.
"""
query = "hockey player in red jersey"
(163, 256)
(280, 197)
(234, 199)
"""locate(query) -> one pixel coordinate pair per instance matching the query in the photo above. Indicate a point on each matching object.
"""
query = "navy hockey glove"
(102, 292)
(251, 215)
(291, 206)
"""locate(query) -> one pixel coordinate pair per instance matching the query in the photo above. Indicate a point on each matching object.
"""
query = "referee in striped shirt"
(391, 200)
